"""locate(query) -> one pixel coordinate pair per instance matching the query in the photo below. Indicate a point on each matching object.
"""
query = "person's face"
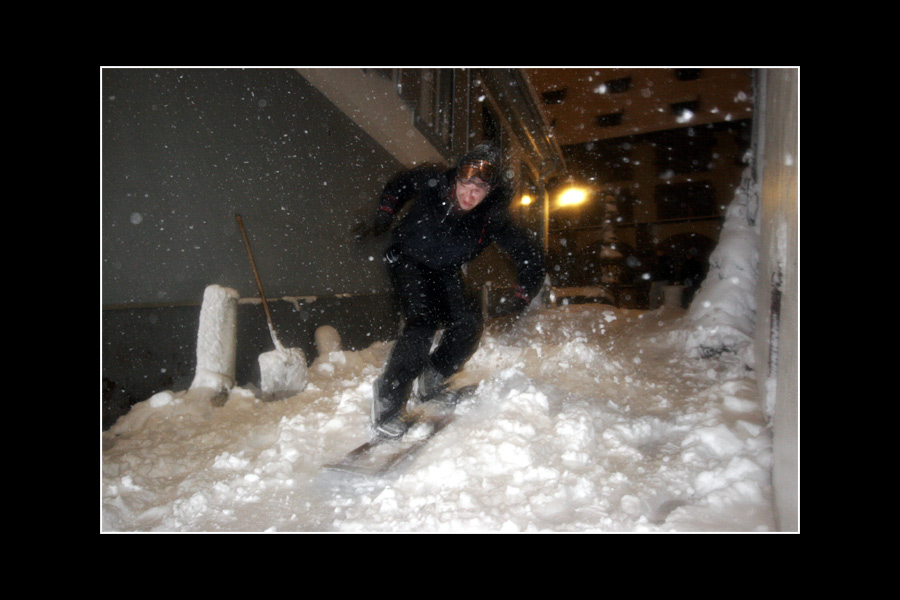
(471, 192)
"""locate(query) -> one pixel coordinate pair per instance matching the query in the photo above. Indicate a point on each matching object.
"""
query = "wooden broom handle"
(256, 274)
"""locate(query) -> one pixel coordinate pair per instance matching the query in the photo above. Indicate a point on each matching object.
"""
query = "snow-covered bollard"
(328, 340)
(216, 340)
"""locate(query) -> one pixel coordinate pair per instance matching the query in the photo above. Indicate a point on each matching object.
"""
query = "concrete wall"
(183, 150)
(186, 149)
(778, 298)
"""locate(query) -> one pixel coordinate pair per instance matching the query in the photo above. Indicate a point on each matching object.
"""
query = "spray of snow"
(588, 418)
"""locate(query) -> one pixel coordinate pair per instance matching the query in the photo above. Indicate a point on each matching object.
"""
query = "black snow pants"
(430, 299)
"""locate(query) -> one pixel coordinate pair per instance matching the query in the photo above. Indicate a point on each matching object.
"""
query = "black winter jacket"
(433, 234)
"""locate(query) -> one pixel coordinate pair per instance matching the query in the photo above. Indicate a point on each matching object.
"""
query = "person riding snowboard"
(455, 216)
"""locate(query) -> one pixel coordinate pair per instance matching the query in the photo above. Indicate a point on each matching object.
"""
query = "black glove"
(513, 304)
(376, 228)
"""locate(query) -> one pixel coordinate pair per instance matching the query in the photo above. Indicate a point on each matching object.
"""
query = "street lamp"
(572, 196)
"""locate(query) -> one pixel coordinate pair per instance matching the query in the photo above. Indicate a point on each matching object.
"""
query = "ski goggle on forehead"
(481, 169)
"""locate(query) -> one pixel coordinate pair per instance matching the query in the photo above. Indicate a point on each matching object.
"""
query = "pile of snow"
(724, 309)
(588, 419)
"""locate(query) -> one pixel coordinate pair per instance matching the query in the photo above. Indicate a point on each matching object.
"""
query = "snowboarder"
(456, 215)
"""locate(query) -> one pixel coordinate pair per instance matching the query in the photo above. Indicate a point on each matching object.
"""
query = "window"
(554, 96)
(625, 201)
(618, 86)
(684, 151)
(687, 74)
(429, 92)
(610, 119)
(607, 160)
(491, 128)
(685, 200)
(684, 110)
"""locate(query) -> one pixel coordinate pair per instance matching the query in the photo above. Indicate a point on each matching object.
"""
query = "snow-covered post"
(216, 340)
(328, 340)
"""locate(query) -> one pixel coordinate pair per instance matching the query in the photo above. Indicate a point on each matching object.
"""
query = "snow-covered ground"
(589, 418)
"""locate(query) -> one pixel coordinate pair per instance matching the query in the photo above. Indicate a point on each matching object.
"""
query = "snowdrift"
(588, 419)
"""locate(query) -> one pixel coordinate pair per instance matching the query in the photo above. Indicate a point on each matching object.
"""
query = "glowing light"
(526, 200)
(572, 196)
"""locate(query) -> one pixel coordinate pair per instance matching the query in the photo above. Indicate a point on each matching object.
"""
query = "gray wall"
(778, 295)
(183, 150)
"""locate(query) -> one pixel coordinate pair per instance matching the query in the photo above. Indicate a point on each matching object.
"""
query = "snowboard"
(381, 456)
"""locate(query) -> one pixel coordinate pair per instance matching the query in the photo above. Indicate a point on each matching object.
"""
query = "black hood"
(500, 195)
(487, 152)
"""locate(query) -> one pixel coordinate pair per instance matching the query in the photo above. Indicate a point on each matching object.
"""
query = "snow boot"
(388, 414)
(431, 383)
(393, 426)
